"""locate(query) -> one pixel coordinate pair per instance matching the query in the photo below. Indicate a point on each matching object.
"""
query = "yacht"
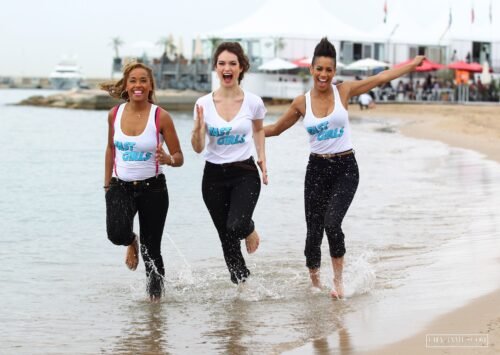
(66, 75)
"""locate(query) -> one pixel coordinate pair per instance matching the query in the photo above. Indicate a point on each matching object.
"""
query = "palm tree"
(279, 44)
(215, 41)
(168, 45)
(163, 41)
(116, 42)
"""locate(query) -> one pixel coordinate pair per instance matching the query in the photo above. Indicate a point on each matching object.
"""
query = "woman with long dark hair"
(228, 124)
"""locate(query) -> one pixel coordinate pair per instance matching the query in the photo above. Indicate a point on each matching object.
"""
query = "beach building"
(456, 35)
(172, 70)
(272, 33)
(267, 35)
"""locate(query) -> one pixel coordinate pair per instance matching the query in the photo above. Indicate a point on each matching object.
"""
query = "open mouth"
(227, 77)
(138, 92)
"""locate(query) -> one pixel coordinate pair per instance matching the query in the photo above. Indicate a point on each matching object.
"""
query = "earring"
(124, 97)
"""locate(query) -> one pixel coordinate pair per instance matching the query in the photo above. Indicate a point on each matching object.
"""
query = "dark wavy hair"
(117, 89)
(325, 49)
(237, 50)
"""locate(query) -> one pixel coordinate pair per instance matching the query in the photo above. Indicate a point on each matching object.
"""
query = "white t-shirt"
(135, 155)
(230, 141)
(330, 134)
(365, 99)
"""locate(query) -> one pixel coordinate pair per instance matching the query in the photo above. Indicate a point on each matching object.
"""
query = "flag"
(491, 14)
(450, 19)
(385, 11)
(472, 14)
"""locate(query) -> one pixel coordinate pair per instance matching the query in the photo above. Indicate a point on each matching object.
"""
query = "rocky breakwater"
(172, 100)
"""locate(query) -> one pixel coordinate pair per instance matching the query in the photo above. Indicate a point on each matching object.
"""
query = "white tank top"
(230, 141)
(135, 155)
(330, 134)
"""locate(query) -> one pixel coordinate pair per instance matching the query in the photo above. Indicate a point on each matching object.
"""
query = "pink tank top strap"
(157, 124)
(115, 112)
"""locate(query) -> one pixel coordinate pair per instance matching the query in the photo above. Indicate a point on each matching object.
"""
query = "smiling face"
(139, 85)
(228, 69)
(323, 71)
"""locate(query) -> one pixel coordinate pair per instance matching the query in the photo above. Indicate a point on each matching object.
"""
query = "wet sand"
(475, 127)
(463, 126)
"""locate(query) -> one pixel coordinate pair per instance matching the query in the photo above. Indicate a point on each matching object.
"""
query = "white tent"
(277, 64)
(366, 64)
(292, 19)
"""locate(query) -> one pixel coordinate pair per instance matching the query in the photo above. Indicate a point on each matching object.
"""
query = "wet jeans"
(330, 185)
(230, 192)
(148, 198)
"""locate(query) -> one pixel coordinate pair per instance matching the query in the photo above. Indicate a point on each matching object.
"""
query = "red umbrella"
(472, 67)
(426, 65)
(303, 63)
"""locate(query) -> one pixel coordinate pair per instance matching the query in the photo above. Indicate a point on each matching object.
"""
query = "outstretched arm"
(356, 88)
(289, 118)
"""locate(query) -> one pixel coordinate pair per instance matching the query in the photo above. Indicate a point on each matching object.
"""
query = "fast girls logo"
(324, 133)
(129, 154)
(225, 138)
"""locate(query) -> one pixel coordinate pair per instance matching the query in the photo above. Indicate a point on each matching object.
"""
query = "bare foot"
(338, 291)
(155, 299)
(252, 242)
(132, 256)
(338, 284)
(315, 278)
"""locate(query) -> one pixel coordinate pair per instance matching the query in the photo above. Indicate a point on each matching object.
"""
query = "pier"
(171, 100)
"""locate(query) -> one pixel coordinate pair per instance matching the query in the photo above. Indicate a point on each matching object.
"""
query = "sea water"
(423, 225)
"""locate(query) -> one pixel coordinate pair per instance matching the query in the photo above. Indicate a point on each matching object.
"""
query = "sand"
(475, 127)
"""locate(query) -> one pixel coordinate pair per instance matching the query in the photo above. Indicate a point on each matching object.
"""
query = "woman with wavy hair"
(133, 179)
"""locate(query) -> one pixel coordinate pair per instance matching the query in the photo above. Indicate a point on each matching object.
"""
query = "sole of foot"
(252, 242)
(132, 257)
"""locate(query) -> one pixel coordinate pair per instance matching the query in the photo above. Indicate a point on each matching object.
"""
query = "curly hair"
(117, 89)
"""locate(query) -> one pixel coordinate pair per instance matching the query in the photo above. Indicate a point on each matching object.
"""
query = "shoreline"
(472, 127)
(480, 316)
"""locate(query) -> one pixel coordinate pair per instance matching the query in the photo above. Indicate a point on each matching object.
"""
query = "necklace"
(137, 114)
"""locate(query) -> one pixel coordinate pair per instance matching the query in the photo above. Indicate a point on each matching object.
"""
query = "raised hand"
(418, 60)
(200, 121)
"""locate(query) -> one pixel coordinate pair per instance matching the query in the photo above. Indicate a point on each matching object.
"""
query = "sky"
(36, 34)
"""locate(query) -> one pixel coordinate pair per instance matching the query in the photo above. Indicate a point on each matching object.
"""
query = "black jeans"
(149, 198)
(230, 192)
(329, 189)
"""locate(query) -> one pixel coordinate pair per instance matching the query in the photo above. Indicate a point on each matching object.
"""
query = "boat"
(67, 75)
